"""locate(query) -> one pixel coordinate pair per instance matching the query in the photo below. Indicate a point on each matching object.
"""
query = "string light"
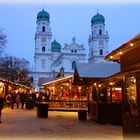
(131, 44)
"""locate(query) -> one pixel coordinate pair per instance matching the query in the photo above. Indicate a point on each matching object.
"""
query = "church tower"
(43, 37)
(98, 40)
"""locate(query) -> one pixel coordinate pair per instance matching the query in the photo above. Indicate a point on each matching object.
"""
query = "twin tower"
(50, 57)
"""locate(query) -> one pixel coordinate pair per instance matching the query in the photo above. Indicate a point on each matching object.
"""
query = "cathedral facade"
(50, 58)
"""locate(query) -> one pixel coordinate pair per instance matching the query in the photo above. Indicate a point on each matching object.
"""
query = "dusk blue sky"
(66, 20)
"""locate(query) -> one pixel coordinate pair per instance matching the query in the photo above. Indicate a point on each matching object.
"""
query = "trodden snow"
(20, 124)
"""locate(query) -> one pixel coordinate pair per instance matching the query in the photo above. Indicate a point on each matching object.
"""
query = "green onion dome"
(55, 46)
(43, 15)
(98, 18)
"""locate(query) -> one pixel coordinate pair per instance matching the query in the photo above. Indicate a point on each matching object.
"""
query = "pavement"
(21, 124)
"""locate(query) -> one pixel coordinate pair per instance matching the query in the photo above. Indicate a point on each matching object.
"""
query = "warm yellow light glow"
(99, 85)
(95, 84)
(10, 88)
(1, 84)
(70, 87)
(111, 57)
(131, 44)
(110, 83)
(121, 53)
(79, 88)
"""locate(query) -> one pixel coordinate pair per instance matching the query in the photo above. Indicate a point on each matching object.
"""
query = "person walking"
(17, 100)
(1, 106)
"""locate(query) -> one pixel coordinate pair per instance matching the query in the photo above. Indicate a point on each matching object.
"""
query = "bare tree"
(3, 40)
(11, 70)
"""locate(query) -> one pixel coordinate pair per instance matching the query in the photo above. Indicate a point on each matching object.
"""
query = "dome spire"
(43, 15)
(97, 11)
(98, 19)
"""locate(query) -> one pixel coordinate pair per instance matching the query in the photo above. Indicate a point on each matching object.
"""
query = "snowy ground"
(18, 124)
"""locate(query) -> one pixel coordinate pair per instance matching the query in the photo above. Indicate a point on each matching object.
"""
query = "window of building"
(100, 32)
(73, 64)
(43, 29)
(75, 51)
(43, 49)
(71, 51)
(101, 52)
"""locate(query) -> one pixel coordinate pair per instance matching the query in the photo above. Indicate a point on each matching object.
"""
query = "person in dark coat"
(1, 106)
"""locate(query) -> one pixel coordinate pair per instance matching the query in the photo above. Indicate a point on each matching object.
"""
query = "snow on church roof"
(98, 70)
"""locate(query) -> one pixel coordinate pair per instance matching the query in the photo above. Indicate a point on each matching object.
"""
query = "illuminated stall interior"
(2, 88)
(8, 87)
(63, 94)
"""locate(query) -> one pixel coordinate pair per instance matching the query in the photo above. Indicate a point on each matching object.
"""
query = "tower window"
(43, 49)
(71, 51)
(73, 65)
(101, 52)
(43, 29)
(100, 32)
(75, 51)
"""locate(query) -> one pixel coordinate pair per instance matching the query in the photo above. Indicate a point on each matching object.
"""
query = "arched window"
(43, 29)
(43, 49)
(73, 65)
(100, 32)
(101, 52)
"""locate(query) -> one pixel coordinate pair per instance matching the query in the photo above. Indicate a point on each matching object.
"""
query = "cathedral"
(50, 58)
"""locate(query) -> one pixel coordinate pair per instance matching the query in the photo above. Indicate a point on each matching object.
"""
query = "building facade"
(98, 39)
(50, 58)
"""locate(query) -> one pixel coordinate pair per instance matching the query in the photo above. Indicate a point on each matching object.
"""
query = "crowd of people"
(22, 100)
(25, 100)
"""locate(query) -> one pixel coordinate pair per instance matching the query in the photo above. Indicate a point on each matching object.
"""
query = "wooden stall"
(64, 96)
(8, 87)
(128, 55)
(105, 92)
(106, 103)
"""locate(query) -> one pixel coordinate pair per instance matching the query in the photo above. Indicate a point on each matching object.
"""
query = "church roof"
(98, 18)
(97, 70)
(43, 15)
(74, 45)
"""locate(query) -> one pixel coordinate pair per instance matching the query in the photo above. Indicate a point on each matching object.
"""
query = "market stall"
(128, 56)
(65, 96)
